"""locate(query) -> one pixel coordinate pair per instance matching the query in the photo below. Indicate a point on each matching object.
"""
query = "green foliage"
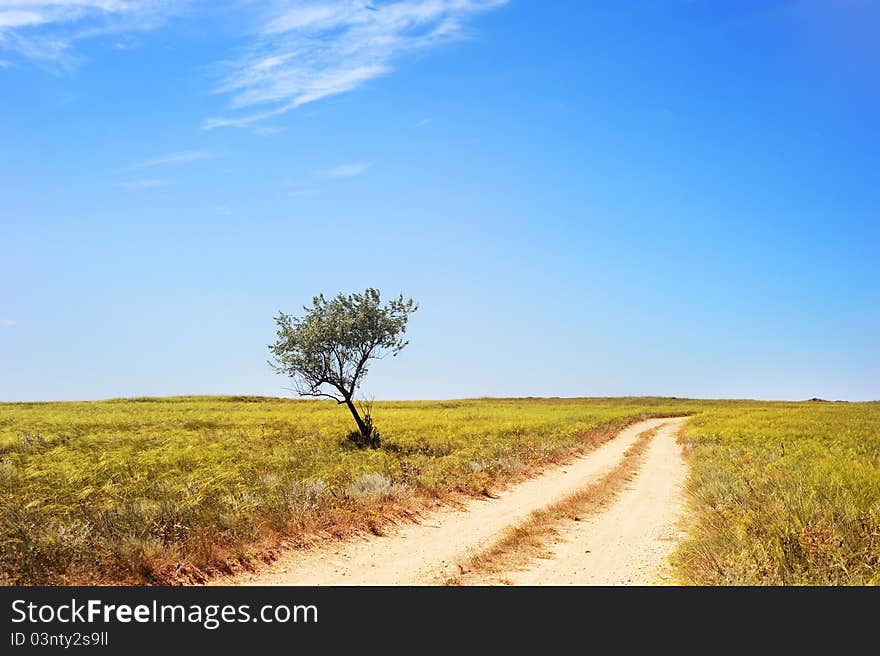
(784, 494)
(327, 351)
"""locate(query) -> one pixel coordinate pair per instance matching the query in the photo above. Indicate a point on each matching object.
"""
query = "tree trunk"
(362, 427)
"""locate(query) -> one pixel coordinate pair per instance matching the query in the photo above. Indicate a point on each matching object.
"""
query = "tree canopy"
(327, 351)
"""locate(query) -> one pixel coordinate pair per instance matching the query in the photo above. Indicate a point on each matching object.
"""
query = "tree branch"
(365, 355)
(316, 394)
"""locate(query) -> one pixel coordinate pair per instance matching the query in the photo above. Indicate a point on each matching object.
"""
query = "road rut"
(429, 552)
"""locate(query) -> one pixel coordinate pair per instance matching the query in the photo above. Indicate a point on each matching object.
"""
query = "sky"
(676, 198)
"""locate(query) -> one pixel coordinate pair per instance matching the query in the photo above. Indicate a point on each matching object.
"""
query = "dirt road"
(628, 542)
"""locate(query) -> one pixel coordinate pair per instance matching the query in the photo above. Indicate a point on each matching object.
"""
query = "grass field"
(167, 490)
(160, 490)
(784, 494)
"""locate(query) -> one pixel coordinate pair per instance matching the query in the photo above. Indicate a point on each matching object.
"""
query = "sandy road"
(630, 542)
(626, 543)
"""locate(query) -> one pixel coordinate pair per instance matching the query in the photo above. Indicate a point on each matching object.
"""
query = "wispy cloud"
(45, 30)
(7, 322)
(184, 157)
(305, 192)
(301, 187)
(424, 121)
(268, 130)
(311, 50)
(347, 170)
(300, 50)
(145, 184)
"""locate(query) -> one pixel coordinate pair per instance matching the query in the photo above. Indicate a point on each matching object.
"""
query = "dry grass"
(529, 540)
(178, 490)
(786, 494)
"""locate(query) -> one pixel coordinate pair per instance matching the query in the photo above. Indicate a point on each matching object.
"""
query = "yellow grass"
(177, 489)
(784, 494)
(165, 490)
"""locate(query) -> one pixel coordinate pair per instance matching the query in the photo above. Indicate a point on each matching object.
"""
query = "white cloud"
(348, 170)
(145, 184)
(301, 187)
(45, 30)
(424, 121)
(307, 191)
(20, 18)
(300, 50)
(268, 130)
(306, 51)
(7, 322)
(184, 157)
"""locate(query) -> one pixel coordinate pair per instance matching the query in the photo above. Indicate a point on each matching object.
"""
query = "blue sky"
(586, 198)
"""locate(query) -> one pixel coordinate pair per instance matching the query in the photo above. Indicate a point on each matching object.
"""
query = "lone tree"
(327, 350)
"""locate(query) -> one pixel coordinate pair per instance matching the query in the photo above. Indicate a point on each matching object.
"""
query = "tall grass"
(164, 490)
(785, 494)
(176, 489)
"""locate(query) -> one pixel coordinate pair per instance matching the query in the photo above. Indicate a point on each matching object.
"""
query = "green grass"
(174, 489)
(159, 490)
(784, 494)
